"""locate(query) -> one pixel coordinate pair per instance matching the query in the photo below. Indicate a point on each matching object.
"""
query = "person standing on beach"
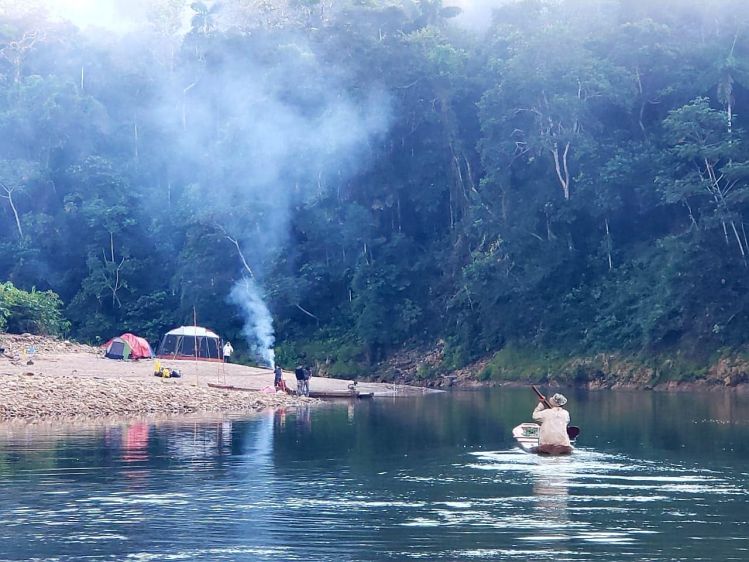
(307, 377)
(228, 350)
(278, 383)
(302, 387)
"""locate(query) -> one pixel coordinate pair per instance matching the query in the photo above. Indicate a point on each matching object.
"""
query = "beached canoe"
(340, 394)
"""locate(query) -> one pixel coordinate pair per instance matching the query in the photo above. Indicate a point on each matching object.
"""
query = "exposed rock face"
(730, 371)
(603, 370)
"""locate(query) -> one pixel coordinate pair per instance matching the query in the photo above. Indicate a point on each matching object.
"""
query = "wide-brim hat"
(558, 400)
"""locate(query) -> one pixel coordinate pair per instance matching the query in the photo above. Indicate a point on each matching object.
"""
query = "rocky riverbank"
(45, 378)
(39, 397)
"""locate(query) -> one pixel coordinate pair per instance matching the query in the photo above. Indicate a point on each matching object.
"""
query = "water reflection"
(135, 442)
(304, 418)
(551, 490)
(438, 478)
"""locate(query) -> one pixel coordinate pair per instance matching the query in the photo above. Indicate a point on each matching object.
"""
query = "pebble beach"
(43, 378)
(38, 397)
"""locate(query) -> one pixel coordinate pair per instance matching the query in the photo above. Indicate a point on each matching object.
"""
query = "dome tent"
(190, 342)
(127, 346)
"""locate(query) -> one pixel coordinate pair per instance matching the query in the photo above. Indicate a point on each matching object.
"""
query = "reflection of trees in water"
(706, 424)
(672, 421)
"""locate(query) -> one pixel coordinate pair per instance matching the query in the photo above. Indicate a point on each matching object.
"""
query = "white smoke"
(118, 16)
(476, 14)
(248, 139)
(258, 327)
(282, 153)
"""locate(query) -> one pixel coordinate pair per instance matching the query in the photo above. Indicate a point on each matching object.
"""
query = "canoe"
(230, 387)
(527, 434)
(312, 394)
(340, 394)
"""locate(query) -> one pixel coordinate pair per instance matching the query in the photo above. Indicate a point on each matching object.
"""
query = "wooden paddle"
(572, 431)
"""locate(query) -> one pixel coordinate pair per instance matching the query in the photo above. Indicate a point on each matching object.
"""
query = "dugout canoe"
(527, 435)
(356, 395)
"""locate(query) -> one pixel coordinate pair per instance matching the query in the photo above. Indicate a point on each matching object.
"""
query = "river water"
(655, 477)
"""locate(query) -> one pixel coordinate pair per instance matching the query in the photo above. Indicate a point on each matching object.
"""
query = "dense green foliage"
(575, 178)
(33, 312)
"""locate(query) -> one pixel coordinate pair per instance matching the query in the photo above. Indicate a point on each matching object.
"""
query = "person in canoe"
(553, 438)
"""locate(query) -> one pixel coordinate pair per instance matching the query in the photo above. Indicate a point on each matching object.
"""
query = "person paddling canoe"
(553, 438)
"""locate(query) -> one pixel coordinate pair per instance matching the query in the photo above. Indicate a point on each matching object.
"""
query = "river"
(655, 477)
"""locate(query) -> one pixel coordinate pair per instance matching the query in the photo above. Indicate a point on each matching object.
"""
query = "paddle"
(572, 431)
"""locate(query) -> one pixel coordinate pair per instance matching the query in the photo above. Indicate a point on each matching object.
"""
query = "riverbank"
(676, 371)
(39, 397)
(45, 378)
(49, 379)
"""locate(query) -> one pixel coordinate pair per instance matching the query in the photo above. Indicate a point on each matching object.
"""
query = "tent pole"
(195, 326)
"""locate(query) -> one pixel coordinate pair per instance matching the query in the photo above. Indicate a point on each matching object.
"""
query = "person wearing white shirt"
(553, 438)
(228, 350)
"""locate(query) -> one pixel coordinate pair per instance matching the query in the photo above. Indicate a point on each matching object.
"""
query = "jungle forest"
(348, 180)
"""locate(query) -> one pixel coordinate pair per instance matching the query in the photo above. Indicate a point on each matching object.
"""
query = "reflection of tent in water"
(191, 342)
(127, 346)
(135, 442)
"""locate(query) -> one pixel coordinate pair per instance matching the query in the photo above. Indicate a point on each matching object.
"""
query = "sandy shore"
(42, 378)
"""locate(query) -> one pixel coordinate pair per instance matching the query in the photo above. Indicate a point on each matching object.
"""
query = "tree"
(546, 99)
(203, 20)
(34, 312)
(707, 170)
(14, 177)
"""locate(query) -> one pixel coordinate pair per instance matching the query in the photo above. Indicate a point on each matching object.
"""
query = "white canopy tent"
(191, 342)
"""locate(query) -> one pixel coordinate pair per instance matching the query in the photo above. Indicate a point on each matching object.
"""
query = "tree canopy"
(575, 177)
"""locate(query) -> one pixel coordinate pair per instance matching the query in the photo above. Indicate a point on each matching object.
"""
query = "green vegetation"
(338, 356)
(523, 365)
(533, 365)
(571, 181)
(31, 312)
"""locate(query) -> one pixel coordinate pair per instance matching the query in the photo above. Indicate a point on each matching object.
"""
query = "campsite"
(374, 280)
(47, 378)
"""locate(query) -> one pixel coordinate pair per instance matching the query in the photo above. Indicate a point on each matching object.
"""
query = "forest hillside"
(344, 182)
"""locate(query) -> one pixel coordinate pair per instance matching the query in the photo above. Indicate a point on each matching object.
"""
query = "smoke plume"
(248, 125)
(264, 132)
(258, 328)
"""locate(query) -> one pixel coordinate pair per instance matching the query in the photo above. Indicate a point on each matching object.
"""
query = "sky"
(115, 15)
(476, 13)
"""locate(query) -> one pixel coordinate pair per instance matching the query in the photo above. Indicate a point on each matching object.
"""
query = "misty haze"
(229, 196)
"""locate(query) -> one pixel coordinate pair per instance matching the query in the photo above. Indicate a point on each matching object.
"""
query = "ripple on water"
(565, 486)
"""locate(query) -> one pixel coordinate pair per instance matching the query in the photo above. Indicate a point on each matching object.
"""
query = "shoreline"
(53, 425)
(664, 372)
(44, 378)
(673, 386)
(40, 398)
